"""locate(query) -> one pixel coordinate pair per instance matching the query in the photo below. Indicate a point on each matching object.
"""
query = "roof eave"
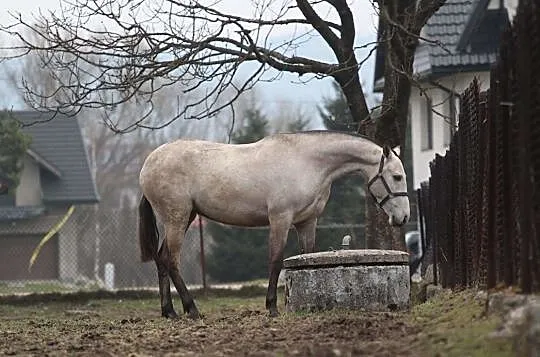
(44, 163)
(378, 86)
(72, 201)
(449, 70)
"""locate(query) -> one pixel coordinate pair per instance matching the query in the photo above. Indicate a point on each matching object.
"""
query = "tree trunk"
(349, 82)
(390, 126)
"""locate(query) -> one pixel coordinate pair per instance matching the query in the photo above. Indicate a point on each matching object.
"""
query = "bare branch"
(321, 27)
(103, 53)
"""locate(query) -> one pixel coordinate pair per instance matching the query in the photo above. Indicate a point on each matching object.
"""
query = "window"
(426, 126)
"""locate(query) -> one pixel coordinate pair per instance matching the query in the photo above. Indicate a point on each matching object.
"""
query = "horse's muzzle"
(398, 223)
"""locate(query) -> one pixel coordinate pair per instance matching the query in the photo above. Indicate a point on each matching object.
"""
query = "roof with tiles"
(57, 146)
(463, 35)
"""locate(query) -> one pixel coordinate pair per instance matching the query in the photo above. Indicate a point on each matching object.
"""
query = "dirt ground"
(231, 326)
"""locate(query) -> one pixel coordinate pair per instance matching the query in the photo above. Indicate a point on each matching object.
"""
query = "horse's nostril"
(405, 219)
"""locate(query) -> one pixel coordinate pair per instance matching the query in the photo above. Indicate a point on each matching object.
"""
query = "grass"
(8, 288)
(455, 325)
(251, 288)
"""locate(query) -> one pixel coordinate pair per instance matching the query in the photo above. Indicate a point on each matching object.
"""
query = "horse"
(280, 181)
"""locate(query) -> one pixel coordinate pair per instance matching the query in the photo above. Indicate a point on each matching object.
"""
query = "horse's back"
(206, 175)
(175, 160)
(235, 184)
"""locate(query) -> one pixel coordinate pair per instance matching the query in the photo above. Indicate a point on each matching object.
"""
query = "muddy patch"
(230, 327)
(451, 324)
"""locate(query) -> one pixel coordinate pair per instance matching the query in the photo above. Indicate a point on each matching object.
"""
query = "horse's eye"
(398, 177)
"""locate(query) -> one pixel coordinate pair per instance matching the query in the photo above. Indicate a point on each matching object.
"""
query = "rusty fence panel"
(481, 206)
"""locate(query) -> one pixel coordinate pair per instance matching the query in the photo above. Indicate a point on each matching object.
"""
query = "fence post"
(491, 278)
(203, 259)
(526, 102)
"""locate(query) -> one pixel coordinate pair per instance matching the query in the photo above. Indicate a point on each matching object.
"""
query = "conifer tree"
(13, 146)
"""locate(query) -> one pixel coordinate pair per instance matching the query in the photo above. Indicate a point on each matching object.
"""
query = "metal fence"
(481, 207)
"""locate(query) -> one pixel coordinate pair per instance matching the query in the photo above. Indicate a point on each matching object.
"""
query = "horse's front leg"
(306, 235)
(279, 228)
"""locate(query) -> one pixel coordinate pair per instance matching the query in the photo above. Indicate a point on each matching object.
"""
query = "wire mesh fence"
(98, 248)
(93, 249)
(481, 206)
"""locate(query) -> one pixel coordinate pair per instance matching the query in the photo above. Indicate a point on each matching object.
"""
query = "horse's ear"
(396, 150)
(386, 151)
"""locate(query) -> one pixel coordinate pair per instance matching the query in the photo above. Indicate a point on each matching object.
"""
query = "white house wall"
(421, 158)
(28, 193)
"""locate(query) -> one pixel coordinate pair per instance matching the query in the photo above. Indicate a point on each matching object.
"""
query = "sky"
(289, 88)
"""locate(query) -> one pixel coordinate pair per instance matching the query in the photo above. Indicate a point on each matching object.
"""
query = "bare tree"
(146, 46)
(108, 52)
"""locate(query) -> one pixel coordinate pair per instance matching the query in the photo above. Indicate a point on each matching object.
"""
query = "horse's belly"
(234, 213)
(242, 220)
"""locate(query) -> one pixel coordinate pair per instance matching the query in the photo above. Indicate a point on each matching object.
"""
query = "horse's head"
(389, 187)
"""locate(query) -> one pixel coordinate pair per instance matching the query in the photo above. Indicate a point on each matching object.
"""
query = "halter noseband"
(389, 193)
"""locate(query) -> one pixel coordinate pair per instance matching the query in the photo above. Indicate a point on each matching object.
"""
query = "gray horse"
(280, 181)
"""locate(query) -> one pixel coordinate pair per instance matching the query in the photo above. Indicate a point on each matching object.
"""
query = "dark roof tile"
(464, 21)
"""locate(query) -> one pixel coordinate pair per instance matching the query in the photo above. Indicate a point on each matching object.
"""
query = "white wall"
(28, 193)
(422, 158)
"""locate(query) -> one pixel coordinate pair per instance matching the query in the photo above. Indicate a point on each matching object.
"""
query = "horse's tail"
(148, 232)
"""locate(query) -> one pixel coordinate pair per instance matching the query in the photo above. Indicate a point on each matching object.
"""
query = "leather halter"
(389, 193)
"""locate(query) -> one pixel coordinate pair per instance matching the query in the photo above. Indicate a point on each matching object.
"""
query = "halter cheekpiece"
(389, 193)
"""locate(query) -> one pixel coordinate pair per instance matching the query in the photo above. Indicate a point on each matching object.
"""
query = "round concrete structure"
(365, 279)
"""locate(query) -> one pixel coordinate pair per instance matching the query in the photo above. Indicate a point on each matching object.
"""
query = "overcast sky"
(289, 87)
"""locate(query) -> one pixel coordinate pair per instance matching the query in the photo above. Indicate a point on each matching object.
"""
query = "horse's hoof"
(169, 314)
(194, 314)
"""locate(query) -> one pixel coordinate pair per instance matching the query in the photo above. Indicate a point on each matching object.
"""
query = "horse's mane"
(334, 132)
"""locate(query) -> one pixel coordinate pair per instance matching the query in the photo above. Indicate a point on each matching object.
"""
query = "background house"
(56, 175)
(464, 37)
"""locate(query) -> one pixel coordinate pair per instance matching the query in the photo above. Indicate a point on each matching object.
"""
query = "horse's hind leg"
(167, 309)
(175, 233)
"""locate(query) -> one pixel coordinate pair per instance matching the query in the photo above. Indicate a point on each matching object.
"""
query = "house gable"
(58, 149)
(56, 168)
